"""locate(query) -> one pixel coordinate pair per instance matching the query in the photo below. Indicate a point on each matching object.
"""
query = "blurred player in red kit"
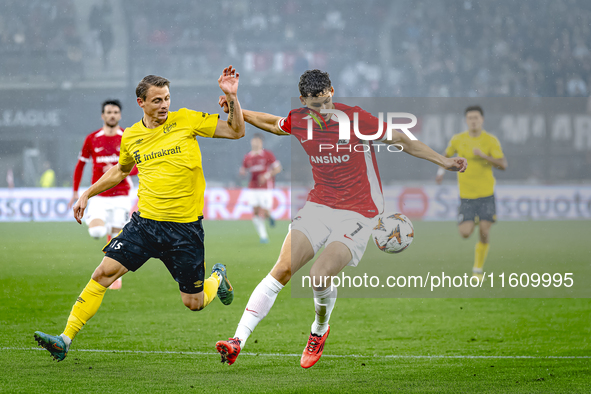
(109, 211)
(263, 167)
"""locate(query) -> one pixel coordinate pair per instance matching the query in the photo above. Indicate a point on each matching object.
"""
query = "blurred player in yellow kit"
(477, 184)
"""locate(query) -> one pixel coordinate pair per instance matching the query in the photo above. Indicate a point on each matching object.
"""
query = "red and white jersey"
(346, 176)
(103, 151)
(257, 164)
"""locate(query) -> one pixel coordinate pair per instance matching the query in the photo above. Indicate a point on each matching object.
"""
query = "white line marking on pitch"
(299, 355)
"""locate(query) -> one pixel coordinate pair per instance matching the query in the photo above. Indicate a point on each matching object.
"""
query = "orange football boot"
(229, 350)
(313, 349)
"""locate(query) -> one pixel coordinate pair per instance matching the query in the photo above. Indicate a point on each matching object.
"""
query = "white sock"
(66, 339)
(259, 225)
(324, 301)
(259, 304)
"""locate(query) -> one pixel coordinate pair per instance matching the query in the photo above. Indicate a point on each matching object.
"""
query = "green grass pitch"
(144, 340)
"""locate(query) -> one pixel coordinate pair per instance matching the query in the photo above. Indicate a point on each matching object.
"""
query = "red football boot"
(229, 350)
(313, 349)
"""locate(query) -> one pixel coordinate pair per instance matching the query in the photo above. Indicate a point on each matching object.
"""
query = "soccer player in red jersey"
(109, 211)
(340, 210)
(263, 167)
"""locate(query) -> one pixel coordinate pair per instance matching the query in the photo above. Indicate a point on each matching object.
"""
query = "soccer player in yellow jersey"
(477, 184)
(168, 224)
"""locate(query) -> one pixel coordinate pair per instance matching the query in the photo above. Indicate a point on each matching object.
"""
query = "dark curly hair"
(313, 83)
(111, 102)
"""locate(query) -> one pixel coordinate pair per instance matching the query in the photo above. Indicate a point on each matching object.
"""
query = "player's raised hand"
(79, 208)
(228, 81)
(224, 104)
(456, 164)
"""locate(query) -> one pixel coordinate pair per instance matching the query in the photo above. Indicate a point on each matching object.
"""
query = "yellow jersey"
(47, 178)
(478, 180)
(168, 160)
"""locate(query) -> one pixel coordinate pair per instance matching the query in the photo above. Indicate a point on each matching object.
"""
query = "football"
(393, 233)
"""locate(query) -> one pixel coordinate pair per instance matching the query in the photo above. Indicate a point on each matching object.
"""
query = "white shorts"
(114, 211)
(323, 225)
(260, 198)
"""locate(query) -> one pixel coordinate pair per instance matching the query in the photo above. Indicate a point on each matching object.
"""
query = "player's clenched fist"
(79, 208)
(224, 103)
(456, 164)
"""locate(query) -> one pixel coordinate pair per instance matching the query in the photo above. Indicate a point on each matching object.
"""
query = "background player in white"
(339, 213)
(109, 211)
(263, 167)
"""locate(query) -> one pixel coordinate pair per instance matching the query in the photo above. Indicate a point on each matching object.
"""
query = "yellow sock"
(210, 288)
(85, 307)
(480, 253)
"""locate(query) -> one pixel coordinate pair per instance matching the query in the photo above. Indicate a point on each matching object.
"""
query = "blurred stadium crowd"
(402, 48)
(39, 40)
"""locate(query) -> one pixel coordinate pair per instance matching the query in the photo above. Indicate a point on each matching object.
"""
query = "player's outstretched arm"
(233, 128)
(264, 121)
(440, 173)
(422, 151)
(260, 120)
(110, 179)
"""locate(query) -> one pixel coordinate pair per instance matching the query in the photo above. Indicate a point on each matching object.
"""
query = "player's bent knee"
(316, 271)
(194, 304)
(195, 307)
(100, 274)
(465, 232)
(108, 271)
(320, 275)
(97, 231)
